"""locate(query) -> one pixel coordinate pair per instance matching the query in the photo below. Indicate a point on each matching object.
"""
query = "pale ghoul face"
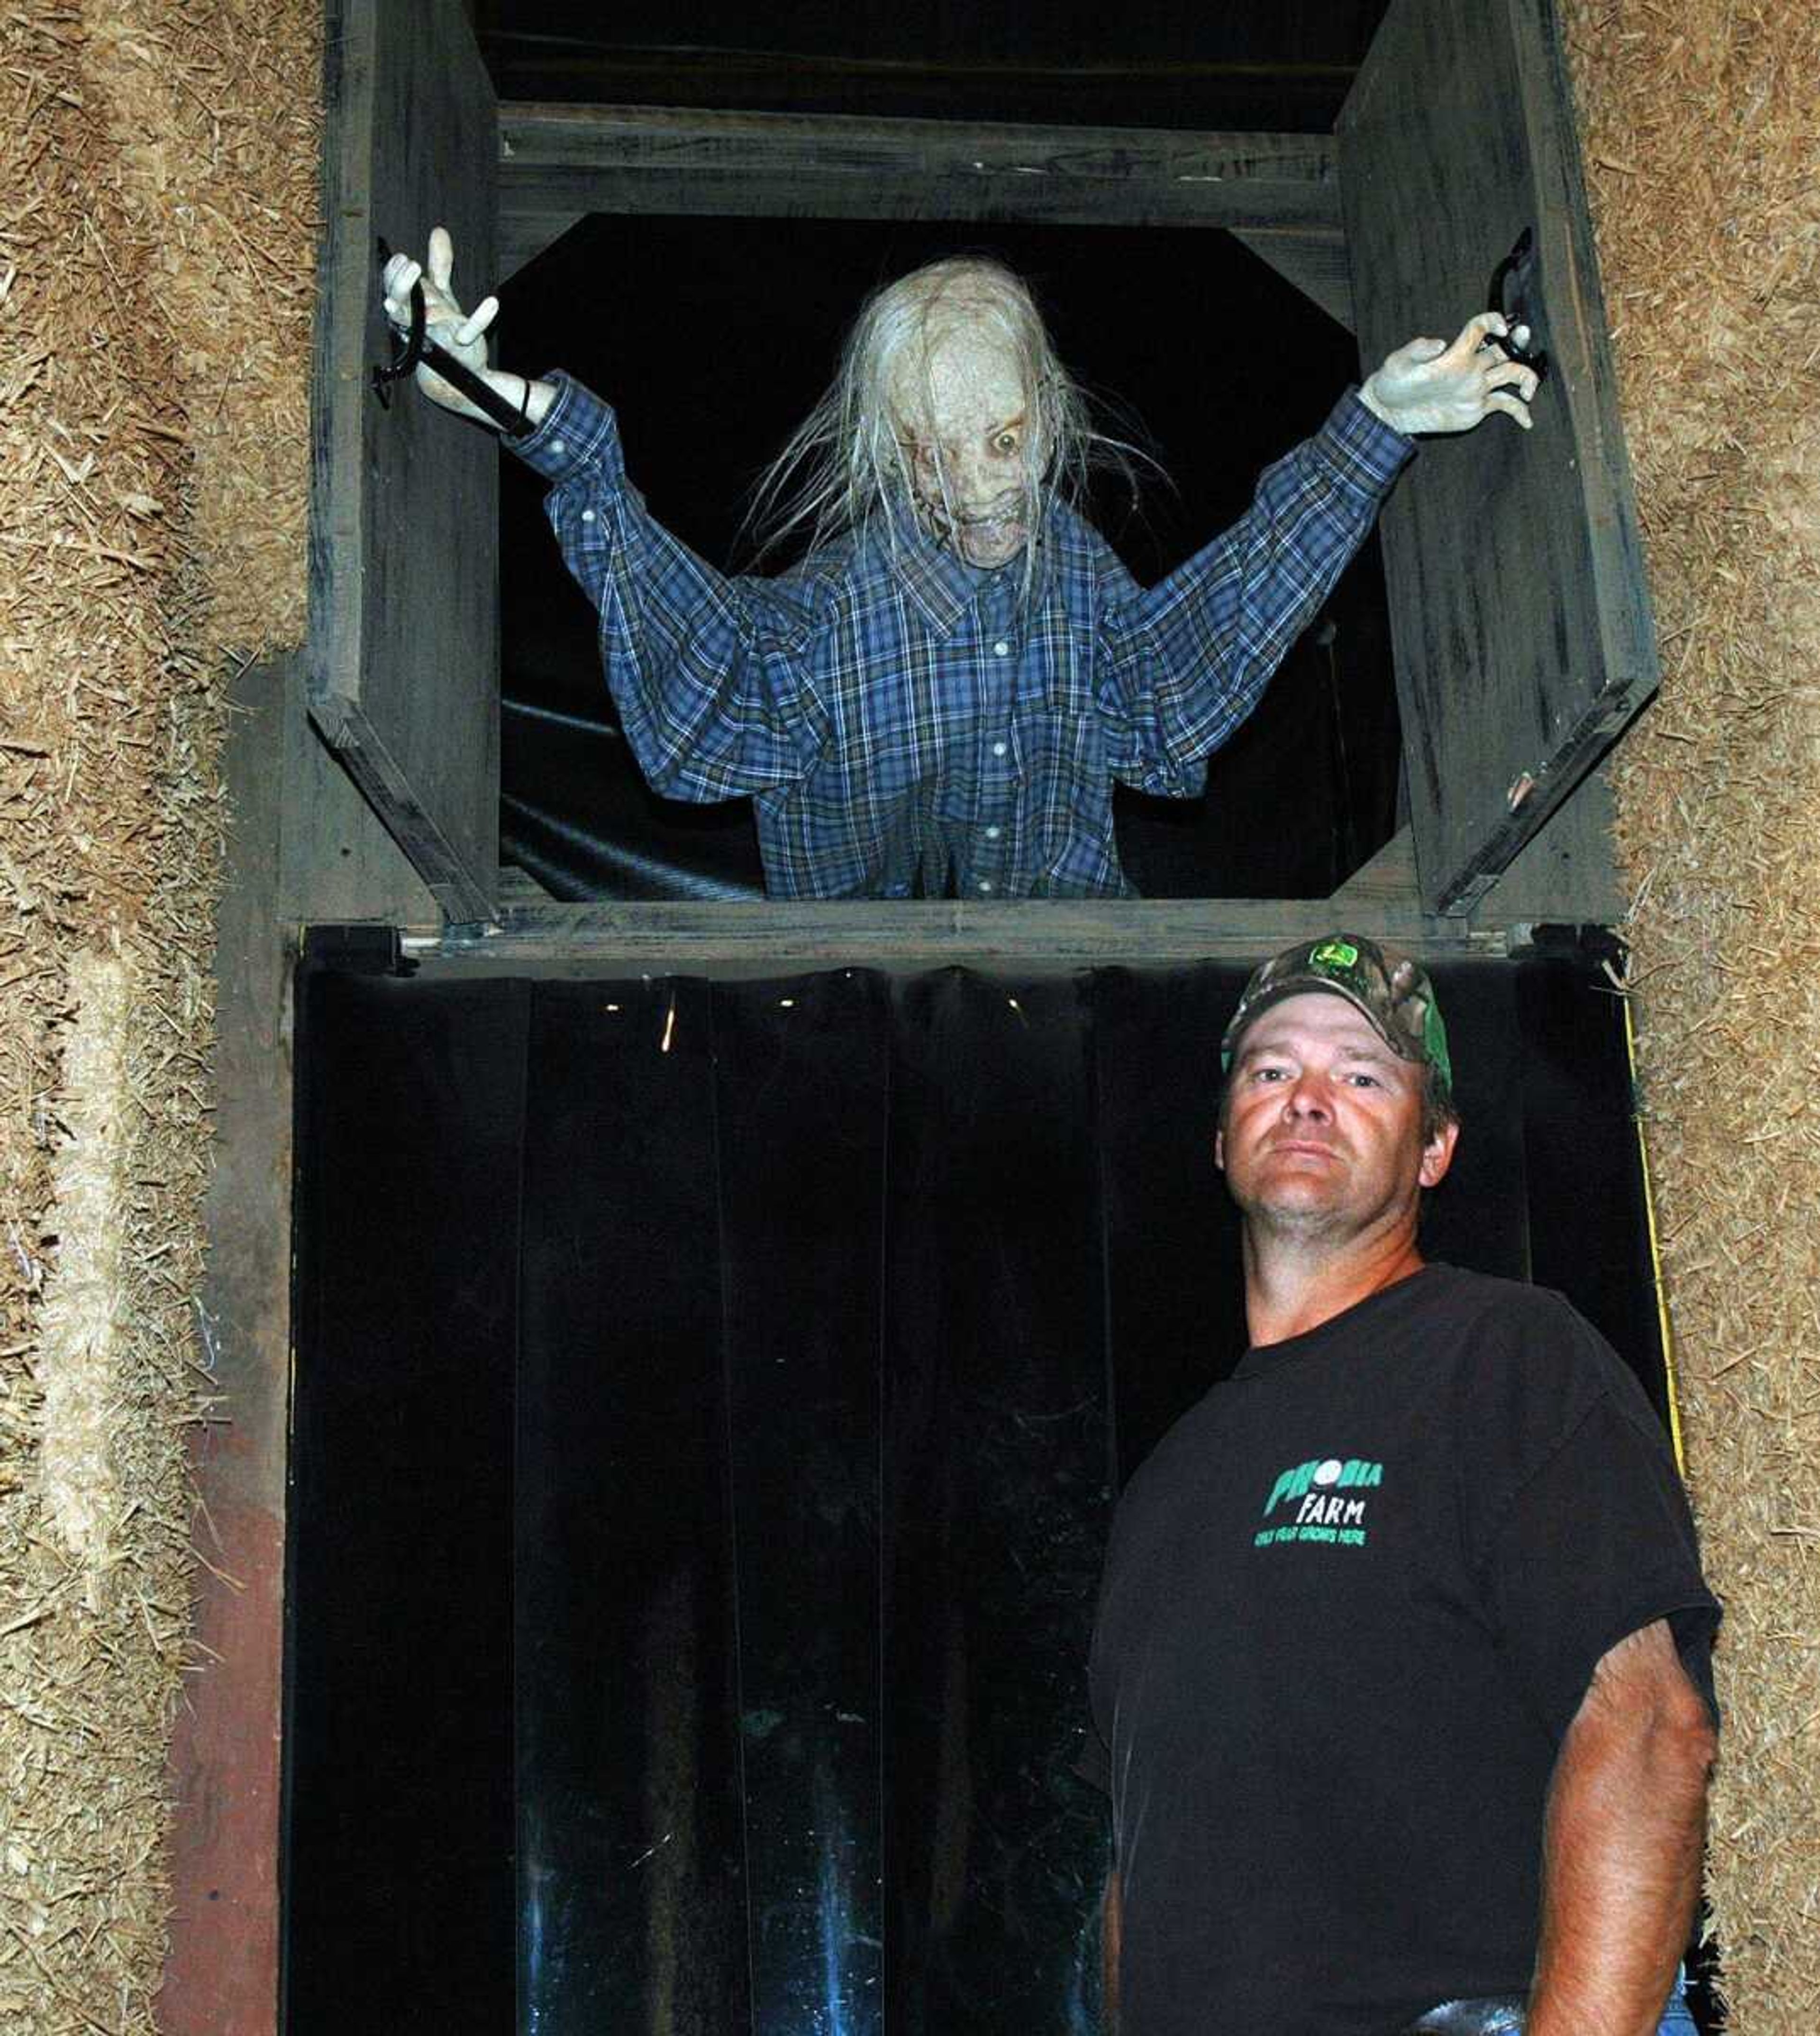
(1323, 1122)
(968, 427)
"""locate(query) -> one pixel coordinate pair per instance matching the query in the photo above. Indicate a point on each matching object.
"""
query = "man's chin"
(1292, 1197)
(1297, 1191)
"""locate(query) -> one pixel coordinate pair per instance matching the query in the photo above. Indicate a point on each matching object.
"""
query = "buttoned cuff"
(1361, 451)
(579, 433)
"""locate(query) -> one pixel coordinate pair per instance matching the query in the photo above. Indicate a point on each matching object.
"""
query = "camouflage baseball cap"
(1391, 990)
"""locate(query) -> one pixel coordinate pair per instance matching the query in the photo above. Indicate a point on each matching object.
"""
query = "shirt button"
(986, 884)
(993, 833)
(559, 445)
(1001, 649)
(587, 516)
(998, 749)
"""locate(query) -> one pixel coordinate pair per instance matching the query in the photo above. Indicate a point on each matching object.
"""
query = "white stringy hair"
(845, 464)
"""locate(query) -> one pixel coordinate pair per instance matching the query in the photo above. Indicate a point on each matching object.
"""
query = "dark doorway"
(709, 1400)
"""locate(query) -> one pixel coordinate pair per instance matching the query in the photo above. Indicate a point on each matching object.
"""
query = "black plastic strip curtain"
(400, 1909)
(709, 1403)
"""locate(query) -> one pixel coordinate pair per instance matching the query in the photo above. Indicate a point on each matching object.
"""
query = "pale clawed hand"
(1429, 385)
(463, 333)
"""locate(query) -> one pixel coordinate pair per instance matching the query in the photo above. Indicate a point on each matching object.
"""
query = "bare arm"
(1111, 1918)
(1621, 1846)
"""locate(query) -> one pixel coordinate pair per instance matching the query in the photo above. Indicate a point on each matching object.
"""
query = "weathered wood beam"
(558, 164)
(1567, 871)
(1458, 137)
(1388, 879)
(403, 660)
(1315, 263)
(779, 939)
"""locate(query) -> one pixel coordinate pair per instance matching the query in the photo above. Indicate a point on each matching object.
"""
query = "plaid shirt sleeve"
(710, 673)
(1184, 664)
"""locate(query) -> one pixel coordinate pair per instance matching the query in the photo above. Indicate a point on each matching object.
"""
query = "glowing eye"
(1005, 442)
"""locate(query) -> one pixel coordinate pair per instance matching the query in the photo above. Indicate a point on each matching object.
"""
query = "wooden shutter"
(1518, 604)
(404, 677)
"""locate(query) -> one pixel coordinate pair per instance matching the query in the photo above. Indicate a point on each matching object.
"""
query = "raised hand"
(463, 333)
(1429, 385)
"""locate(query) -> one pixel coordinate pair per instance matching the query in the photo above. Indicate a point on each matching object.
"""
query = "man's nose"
(984, 478)
(970, 470)
(1308, 1096)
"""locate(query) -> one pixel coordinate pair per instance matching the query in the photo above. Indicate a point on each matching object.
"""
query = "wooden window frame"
(1280, 194)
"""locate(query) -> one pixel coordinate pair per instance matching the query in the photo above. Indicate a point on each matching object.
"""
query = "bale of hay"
(157, 237)
(1698, 130)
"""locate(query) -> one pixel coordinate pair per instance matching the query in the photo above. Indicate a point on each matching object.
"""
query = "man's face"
(1322, 1132)
(967, 423)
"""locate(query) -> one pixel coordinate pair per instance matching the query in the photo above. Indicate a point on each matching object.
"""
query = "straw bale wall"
(157, 227)
(1701, 126)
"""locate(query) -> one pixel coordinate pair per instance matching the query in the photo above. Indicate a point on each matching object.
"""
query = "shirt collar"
(943, 587)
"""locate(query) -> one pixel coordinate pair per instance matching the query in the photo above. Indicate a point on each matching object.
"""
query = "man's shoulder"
(824, 588)
(1491, 1295)
(1515, 1314)
(823, 575)
(1084, 549)
(1524, 1356)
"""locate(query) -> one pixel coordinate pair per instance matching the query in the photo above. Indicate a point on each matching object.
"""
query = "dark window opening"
(712, 337)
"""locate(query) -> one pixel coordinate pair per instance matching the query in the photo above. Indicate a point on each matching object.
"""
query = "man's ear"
(1437, 1155)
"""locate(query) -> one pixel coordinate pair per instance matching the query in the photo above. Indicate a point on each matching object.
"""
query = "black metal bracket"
(1510, 295)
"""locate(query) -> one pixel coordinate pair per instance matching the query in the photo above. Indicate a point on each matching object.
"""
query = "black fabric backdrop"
(709, 1400)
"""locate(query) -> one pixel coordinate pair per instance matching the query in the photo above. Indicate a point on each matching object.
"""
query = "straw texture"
(157, 234)
(1701, 126)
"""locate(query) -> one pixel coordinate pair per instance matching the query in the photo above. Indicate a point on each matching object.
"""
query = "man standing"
(937, 698)
(1401, 1668)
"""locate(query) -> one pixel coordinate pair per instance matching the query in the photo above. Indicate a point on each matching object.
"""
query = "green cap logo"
(1392, 990)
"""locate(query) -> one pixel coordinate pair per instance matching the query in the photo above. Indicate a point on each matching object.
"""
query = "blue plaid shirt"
(908, 724)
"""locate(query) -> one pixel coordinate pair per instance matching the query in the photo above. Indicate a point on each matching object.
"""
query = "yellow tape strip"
(1667, 1329)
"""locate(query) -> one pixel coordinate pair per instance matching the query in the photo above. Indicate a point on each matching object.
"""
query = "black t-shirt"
(1351, 1604)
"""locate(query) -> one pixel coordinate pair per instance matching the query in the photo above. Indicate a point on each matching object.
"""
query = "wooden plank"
(1519, 607)
(519, 887)
(338, 862)
(1172, 90)
(403, 621)
(777, 938)
(1388, 878)
(463, 889)
(221, 1970)
(1566, 873)
(558, 163)
(1315, 263)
